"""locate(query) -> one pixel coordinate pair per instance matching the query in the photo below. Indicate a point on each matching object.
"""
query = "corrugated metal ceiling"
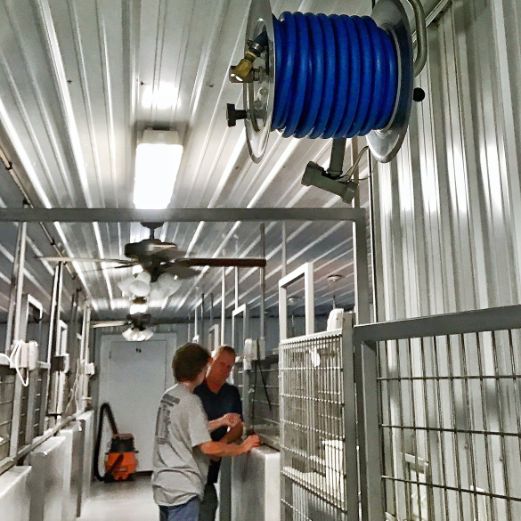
(80, 80)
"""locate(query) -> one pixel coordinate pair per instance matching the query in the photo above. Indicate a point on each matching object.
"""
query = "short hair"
(189, 360)
(224, 349)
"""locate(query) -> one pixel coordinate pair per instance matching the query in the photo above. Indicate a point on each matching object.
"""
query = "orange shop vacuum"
(120, 460)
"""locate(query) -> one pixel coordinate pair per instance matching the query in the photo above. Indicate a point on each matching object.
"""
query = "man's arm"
(234, 434)
(218, 449)
(228, 420)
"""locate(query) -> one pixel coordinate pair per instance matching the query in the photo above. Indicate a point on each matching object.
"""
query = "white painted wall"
(133, 376)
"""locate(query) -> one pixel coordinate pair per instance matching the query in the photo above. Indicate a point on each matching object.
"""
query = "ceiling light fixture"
(134, 334)
(136, 285)
(158, 157)
(138, 306)
(166, 285)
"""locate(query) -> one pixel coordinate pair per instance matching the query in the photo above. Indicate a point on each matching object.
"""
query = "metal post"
(52, 319)
(55, 344)
(29, 302)
(85, 355)
(284, 266)
(12, 295)
(17, 327)
(236, 275)
(196, 322)
(202, 336)
(361, 271)
(262, 282)
(223, 305)
(368, 431)
(336, 163)
(351, 485)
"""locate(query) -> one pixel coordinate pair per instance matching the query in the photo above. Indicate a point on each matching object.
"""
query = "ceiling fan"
(158, 257)
(139, 326)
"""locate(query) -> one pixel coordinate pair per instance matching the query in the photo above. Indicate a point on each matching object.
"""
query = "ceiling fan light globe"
(140, 288)
(128, 334)
(157, 292)
(169, 283)
(125, 286)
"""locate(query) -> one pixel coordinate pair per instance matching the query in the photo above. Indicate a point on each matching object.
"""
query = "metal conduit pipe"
(336, 163)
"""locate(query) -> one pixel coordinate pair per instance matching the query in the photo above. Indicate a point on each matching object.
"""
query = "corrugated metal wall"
(448, 209)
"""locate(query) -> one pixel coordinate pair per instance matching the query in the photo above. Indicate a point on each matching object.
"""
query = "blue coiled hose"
(336, 76)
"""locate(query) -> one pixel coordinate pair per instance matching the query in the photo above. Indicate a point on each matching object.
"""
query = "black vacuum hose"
(104, 409)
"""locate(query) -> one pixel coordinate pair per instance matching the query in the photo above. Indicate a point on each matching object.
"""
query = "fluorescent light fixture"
(158, 157)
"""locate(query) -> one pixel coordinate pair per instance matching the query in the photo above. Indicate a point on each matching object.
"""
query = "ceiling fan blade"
(85, 259)
(109, 323)
(246, 262)
(180, 270)
(123, 266)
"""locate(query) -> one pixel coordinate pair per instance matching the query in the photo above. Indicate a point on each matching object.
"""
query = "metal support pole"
(202, 337)
(55, 344)
(236, 275)
(85, 355)
(196, 322)
(361, 271)
(262, 282)
(223, 304)
(368, 432)
(12, 294)
(336, 163)
(284, 266)
(17, 329)
(52, 319)
(351, 485)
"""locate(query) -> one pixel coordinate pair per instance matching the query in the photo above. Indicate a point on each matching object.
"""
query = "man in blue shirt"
(219, 398)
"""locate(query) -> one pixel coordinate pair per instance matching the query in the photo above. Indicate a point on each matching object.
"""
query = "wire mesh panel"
(264, 403)
(319, 477)
(36, 427)
(6, 410)
(24, 407)
(449, 419)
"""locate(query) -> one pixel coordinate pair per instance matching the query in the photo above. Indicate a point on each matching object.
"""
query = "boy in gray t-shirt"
(183, 444)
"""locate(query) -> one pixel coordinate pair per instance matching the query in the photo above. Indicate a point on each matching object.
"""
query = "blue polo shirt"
(216, 405)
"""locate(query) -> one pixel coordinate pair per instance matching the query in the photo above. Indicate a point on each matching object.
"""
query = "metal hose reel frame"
(259, 90)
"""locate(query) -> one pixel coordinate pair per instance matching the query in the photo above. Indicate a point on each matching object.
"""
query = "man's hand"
(230, 420)
(250, 443)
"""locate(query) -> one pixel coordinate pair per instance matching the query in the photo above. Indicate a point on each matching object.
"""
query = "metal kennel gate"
(318, 427)
(440, 417)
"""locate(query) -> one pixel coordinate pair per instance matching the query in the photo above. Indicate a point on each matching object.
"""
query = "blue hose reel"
(337, 76)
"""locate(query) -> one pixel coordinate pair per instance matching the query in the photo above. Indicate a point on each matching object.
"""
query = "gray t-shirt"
(180, 468)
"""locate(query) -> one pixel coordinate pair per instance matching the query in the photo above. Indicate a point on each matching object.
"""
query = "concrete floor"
(130, 501)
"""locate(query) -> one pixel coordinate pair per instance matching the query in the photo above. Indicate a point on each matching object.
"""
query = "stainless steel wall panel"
(48, 463)
(87, 425)
(256, 486)
(447, 209)
(72, 475)
(15, 496)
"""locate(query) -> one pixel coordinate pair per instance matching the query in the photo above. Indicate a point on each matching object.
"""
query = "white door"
(136, 380)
